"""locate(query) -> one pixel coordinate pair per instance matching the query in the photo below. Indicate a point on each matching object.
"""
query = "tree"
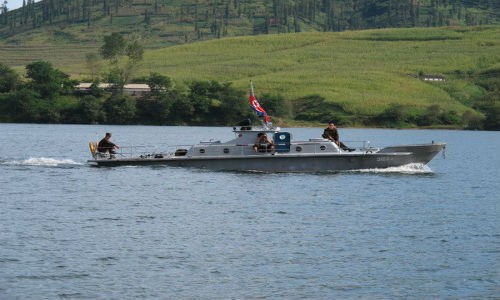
(93, 64)
(182, 109)
(9, 80)
(153, 111)
(22, 106)
(492, 120)
(114, 47)
(46, 80)
(3, 12)
(199, 95)
(90, 110)
(159, 84)
(216, 103)
(432, 115)
(472, 120)
(394, 115)
(120, 109)
(233, 107)
(115, 78)
(154, 108)
(275, 105)
(135, 53)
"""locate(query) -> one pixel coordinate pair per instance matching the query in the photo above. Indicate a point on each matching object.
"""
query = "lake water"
(70, 231)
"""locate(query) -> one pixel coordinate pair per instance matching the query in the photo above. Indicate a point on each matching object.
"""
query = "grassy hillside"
(64, 30)
(363, 71)
(176, 21)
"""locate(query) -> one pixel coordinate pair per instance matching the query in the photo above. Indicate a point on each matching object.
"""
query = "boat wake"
(405, 169)
(40, 161)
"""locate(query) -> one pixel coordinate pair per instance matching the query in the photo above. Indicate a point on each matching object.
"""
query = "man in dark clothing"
(263, 143)
(105, 145)
(332, 134)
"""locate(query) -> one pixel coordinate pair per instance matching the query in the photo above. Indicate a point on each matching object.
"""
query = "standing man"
(105, 145)
(332, 134)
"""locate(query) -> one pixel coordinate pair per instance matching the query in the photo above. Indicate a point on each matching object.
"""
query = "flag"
(261, 112)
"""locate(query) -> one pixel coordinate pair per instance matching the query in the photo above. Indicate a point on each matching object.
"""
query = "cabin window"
(202, 151)
(298, 149)
(322, 148)
(226, 150)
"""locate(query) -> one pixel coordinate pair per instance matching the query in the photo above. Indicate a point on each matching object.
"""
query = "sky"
(13, 4)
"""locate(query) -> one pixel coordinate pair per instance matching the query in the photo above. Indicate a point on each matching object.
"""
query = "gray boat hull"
(286, 162)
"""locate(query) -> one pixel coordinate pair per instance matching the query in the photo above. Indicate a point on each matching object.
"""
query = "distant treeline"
(217, 18)
(49, 96)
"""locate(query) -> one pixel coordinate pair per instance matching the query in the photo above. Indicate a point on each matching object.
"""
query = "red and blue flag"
(261, 112)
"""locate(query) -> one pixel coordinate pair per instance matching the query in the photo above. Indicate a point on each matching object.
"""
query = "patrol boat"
(313, 155)
(286, 155)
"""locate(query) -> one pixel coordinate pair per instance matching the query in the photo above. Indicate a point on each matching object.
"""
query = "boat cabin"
(245, 137)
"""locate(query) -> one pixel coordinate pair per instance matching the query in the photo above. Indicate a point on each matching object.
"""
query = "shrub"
(472, 120)
(120, 109)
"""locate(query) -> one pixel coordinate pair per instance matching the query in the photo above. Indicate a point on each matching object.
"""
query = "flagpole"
(264, 119)
(263, 124)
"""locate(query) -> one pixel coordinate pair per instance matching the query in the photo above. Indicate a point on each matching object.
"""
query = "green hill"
(290, 49)
(363, 71)
(39, 30)
(348, 75)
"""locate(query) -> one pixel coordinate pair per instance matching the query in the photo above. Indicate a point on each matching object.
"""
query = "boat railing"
(127, 151)
(241, 149)
(124, 152)
(361, 145)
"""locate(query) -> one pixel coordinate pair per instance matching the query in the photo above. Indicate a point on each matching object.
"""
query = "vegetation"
(69, 29)
(179, 21)
(359, 78)
(202, 103)
(114, 48)
(354, 77)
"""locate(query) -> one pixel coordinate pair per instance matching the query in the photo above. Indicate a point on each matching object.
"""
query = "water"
(70, 231)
